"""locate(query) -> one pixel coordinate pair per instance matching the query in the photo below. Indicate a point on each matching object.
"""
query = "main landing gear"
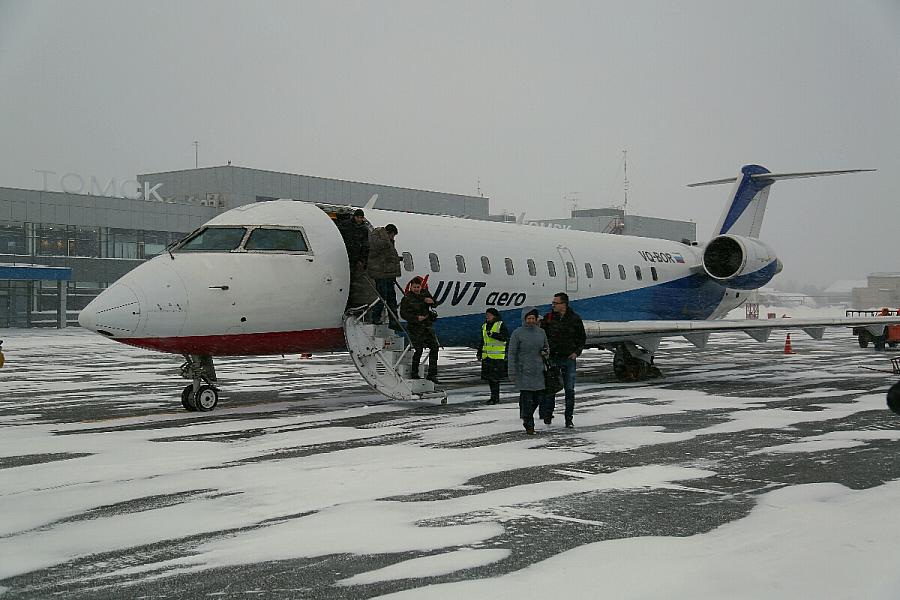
(631, 363)
(202, 394)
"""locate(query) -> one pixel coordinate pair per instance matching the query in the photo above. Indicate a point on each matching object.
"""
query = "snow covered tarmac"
(744, 473)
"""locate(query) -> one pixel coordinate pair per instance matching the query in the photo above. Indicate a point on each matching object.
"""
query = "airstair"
(384, 359)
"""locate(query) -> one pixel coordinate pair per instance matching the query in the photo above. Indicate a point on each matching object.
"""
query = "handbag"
(553, 381)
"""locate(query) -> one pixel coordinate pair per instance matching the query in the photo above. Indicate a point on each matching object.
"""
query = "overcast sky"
(536, 100)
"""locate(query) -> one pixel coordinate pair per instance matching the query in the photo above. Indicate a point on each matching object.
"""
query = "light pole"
(196, 154)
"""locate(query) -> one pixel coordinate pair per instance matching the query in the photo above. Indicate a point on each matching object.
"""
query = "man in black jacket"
(356, 238)
(565, 333)
(415, 310)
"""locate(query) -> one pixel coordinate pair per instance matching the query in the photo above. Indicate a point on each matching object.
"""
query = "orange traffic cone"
(787, 345)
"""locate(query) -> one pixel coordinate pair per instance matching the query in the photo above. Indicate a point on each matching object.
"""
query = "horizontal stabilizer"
(778, 176)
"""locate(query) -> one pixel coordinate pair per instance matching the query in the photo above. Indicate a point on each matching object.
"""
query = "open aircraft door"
(570, 268)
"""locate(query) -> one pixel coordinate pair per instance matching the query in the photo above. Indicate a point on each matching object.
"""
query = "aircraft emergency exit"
(273, 278)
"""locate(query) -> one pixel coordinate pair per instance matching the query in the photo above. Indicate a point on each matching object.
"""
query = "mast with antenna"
(625, 181)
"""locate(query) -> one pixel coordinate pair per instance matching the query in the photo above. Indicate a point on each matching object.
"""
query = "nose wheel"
(201, 395)
(204, 399)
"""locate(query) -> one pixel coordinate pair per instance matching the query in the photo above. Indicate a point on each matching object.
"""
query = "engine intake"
(740, 262)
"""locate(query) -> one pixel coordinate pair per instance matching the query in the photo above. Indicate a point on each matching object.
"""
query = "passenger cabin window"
(654, 274)
(408, 263)
(276, 240)
(460, 264)
(551, 268)
(532, 270)
(637, 273)
(435, 262)
(589, 270)
(214, 239)
(486, 265)
(621, 272)
(570, 269)
(509, 266)
(605, 271)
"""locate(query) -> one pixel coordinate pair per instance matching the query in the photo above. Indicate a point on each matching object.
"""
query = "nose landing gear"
(201, 395)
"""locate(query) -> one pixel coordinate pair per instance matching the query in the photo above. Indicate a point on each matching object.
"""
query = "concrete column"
(61, 312)
(29, 239)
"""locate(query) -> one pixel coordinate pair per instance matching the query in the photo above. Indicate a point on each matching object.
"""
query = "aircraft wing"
(648, 333)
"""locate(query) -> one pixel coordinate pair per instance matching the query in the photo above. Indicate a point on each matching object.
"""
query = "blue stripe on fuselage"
(691, 297)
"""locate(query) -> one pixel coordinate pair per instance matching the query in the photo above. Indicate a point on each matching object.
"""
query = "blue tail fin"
(743, 214)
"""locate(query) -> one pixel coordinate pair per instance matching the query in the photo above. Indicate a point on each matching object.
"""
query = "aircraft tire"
(879, 343)
(187, 400)
(893, 398)
(207, 398)
(863, 342)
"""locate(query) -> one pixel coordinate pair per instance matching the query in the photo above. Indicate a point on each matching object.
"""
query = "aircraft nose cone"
(114, 313)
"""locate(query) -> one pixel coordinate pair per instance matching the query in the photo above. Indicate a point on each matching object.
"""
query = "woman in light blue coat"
(525, 352)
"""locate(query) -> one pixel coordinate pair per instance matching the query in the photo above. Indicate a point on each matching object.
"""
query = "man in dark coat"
(356, 239)
(415, 308)
(384, 268)
(565, 333)
(492, 352)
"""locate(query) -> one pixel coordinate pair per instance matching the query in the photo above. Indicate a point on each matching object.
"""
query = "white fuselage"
(240, 301)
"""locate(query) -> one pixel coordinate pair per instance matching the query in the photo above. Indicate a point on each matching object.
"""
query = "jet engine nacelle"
(740, 262)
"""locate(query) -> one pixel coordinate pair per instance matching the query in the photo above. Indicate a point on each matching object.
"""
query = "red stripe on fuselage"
(247, 344)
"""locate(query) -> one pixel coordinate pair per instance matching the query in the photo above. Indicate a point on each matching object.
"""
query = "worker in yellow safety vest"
(492, 352)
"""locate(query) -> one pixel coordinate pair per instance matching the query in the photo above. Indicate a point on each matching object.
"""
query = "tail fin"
(743, 214)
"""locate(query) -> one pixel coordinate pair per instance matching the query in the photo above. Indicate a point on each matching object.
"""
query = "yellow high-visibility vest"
(492, 348)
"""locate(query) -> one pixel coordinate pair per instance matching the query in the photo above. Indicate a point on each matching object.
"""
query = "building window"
(486, 265)
(570, 269)
(654, 274)
(605, 271)
(589, 270)
(12, 237)
(408, 262)
(435, 262)
(621, 272)
(551, 268)
(637, 273)
(532, 269)
(510, 270)
(460, 264)
(53, 240)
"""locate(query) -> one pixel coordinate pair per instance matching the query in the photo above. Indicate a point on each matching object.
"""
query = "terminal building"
(59, 249)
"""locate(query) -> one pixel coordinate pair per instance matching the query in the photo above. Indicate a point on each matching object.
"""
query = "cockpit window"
(214, 239)
(280, 240)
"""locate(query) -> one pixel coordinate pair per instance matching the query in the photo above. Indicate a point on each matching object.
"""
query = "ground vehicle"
(891, 333)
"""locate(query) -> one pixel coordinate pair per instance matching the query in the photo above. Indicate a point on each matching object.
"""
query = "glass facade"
(35, 303)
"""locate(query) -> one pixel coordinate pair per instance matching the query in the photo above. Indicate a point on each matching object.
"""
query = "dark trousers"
(385, 289)
(432, 360)
(567, 372)
(495, 389)
(529, 400)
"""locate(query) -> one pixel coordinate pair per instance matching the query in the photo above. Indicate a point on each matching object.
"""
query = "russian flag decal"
(678, 258)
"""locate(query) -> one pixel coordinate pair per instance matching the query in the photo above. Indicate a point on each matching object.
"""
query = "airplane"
(273, 278)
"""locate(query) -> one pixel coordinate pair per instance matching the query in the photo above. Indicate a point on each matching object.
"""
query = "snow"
(436, 492)
(802, 542)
